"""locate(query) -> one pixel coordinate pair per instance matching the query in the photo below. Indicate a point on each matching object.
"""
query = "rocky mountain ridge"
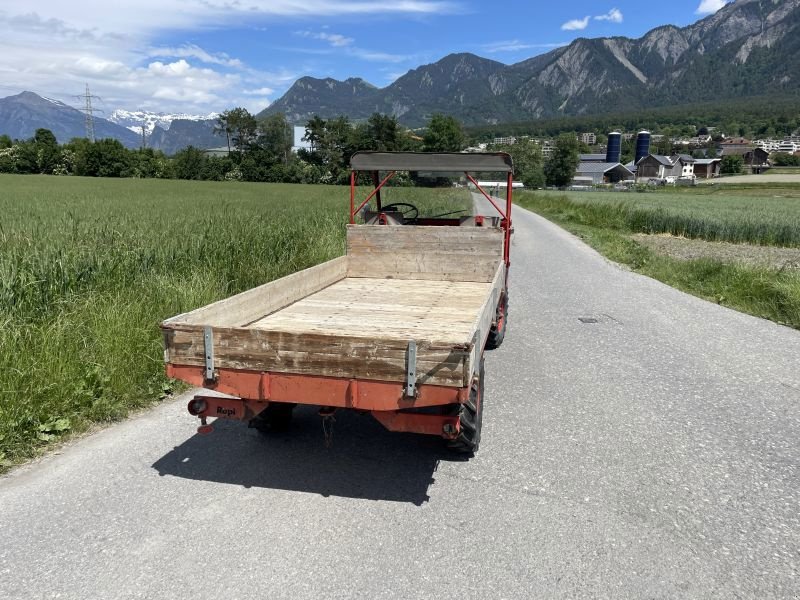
(748, 47)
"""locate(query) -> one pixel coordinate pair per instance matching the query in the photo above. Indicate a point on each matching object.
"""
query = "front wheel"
(470, 416)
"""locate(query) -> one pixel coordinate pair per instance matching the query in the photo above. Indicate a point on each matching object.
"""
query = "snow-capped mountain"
(134, 120)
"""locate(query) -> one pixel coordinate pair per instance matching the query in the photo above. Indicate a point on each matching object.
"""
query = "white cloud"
(336, 40)
(614, 16)
(53, 48)
(708, 7)
(264, 91)
(345, 44)
(576, 24)
(194, 51)
(375, 56)
(516, 45)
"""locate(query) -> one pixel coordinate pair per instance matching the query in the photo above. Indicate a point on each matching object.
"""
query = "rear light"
(197, 406)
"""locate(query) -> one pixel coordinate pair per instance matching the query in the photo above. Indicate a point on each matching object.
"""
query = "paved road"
(651, 454)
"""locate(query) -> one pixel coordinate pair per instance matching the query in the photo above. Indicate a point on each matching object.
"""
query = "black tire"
(470, 415)
(498, 331)
(276, 417)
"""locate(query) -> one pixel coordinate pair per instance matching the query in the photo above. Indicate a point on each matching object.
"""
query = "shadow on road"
(364, 461)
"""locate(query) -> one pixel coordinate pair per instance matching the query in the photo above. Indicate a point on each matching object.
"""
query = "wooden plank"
(444, 311)
(485, 318)
(423, 266)
(312, 354)
(253, 304)
(468, 254)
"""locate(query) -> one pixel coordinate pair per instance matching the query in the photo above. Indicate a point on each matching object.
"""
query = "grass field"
(89, 267)
(768, 216)
(763, 216)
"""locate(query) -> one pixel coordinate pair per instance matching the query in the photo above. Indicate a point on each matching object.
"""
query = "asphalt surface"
(650, 450)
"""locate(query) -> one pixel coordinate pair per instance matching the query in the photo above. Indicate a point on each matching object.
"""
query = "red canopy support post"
(375, 191)
(509, 197)
(376, 178)
(352, 197)
(485, 195)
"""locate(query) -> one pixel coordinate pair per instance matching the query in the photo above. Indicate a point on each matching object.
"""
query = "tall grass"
(89, 267)
(766, 217)
(606, 225)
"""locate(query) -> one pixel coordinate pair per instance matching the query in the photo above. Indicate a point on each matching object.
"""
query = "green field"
(89, 267)
(766, 216)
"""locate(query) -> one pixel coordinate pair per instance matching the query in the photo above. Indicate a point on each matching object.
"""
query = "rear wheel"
(275, 418)
(498, 331)
(470, 416)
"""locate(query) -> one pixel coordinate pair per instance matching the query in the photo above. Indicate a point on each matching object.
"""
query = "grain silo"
(614, 148)
(642, 146)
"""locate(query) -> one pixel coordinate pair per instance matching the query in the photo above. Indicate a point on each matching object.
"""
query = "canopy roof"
(437, 162)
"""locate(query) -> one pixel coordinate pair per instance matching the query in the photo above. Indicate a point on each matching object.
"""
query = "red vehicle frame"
(386, 401)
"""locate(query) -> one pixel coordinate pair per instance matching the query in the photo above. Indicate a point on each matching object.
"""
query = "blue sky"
(200, 56)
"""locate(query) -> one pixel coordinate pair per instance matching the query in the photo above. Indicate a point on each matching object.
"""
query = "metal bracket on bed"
(208, 352)
(411, 370)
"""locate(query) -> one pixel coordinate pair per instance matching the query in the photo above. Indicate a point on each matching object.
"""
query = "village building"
(736, 144)
(657, 166)
(707, 168)
(596, 173)
(753, 158)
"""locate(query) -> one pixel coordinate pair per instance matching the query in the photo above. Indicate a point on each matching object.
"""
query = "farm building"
(657, 166)
(736, 144)
(602, 172)
(707, 168)
(595, 158)
(753, 157)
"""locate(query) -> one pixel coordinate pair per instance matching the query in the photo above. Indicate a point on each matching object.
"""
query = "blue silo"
(614, 148)
(642, 145)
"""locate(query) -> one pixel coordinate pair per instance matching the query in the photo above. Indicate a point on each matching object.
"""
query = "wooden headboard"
(424, 252)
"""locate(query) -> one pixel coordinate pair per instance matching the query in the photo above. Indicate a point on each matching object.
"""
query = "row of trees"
(261, 150)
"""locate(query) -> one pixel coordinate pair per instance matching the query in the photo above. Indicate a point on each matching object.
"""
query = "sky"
(202, 56)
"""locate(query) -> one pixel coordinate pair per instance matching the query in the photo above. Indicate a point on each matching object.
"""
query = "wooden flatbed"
(437, 287)
(396, 327)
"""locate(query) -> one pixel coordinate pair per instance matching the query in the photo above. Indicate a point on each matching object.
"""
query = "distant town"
(620, 157)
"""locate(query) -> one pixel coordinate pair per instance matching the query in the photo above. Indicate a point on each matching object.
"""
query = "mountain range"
(134, 120)
(22, 114)
(749, 47)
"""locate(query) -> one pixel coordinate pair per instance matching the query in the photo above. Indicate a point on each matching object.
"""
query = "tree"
(5, 142)
(223, 126)
(731, 165)
(528, 162)
(106, 158)
(48, 153)
(784, 159)
(382, 133)
(243, 127)
(275, 137)
(189, 163)
(444, 134)
(315, 130)
(559, 170)
(239, 127)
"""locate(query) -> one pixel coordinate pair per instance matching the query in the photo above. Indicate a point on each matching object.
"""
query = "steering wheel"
(404, 208)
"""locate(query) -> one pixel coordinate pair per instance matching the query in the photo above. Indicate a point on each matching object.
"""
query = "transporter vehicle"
(397, 327)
